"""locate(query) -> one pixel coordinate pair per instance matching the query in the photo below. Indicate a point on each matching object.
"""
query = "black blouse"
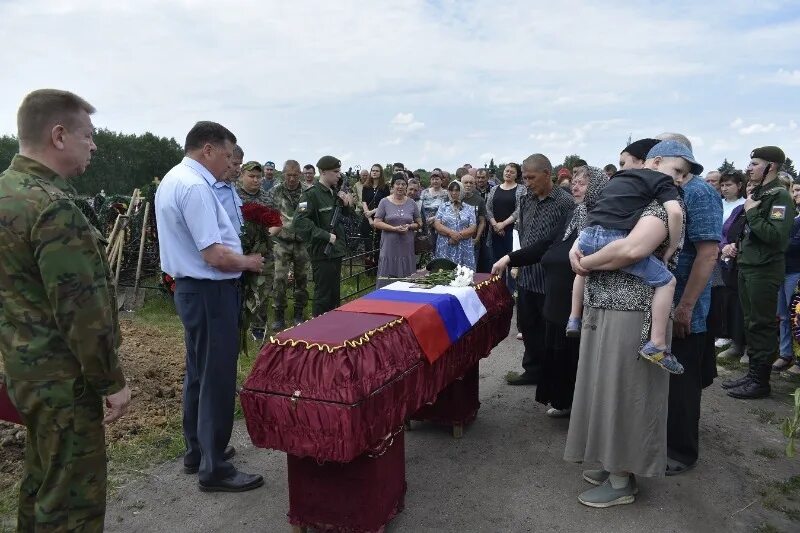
(553, 254)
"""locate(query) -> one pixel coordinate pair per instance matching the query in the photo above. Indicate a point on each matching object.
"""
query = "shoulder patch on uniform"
(777, 212)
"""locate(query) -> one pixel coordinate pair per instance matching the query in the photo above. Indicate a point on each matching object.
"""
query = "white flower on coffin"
(463, 277)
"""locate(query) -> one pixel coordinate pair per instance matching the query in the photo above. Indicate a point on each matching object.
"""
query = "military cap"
(773, 154)
(440, 263)
(328, 162)
(269, 164)
(252, 165)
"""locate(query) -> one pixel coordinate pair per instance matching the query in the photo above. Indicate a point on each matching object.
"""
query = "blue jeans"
(785, 293)
(651, 270)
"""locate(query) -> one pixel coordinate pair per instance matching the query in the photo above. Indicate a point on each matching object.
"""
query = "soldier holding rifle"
(318, 221)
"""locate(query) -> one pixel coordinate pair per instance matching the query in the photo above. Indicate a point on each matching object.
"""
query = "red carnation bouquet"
(258, 219)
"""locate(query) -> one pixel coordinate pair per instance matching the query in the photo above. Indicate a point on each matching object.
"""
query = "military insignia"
(778, 212)
(302, 206)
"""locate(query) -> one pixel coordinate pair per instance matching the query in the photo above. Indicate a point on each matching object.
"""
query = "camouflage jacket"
(58, 308)
(285, 200)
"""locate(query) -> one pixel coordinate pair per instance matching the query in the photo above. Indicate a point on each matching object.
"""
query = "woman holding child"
(619, 413)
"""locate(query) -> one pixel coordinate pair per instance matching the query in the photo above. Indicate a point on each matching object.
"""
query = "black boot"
(279, 324)
(757, 387)
(738, 382)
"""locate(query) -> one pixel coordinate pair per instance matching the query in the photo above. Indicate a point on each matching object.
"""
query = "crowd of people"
(626, 280)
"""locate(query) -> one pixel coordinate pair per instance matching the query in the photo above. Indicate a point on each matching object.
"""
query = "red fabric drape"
(333, 405)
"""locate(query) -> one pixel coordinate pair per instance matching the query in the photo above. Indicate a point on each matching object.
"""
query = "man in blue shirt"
(269, 176)
(201, 250)
(225, 190)
(692, 301)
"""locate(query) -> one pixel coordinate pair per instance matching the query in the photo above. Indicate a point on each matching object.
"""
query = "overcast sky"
(429, 83)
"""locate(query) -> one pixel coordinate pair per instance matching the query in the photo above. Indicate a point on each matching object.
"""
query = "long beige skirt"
(619, 411)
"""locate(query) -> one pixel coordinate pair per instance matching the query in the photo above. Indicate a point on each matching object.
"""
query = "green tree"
(8, 147)
(725, 166)
(492, 167)
(788, 166)
(570, 160)
(123, 162)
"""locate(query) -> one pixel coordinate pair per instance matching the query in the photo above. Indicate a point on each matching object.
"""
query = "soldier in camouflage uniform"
(59, 333)
(312, 223)
(290, 250)
(249, 188)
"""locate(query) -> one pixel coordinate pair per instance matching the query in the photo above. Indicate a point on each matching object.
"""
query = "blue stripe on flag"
(447, 305)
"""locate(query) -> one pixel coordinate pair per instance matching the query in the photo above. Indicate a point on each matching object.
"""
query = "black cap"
(773, 154)
(639, 149)
(328, 162)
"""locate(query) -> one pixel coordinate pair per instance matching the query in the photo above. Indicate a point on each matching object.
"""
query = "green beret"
(773, 154)
(252, 165)
(328, 162)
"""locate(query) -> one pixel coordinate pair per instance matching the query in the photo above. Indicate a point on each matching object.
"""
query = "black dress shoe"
(238, 482)
(751, 390)
(675, 468)
(229, 452)
(738, 382)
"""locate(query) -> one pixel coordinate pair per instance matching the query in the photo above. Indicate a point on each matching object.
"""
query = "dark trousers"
(758, 292)
(683, 418)
(501, 245)
(532, 326)
(209, 311)
(327, 278)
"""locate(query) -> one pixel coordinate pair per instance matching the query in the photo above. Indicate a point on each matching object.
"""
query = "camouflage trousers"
(259, 294)
(290, 255)
(64, 480)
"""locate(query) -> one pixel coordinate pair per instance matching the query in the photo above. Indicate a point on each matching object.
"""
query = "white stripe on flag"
(467, 297)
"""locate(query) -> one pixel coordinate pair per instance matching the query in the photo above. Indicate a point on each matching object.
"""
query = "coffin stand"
(335, 392)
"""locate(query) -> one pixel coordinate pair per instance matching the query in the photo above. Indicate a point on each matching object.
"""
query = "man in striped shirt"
(539, 212)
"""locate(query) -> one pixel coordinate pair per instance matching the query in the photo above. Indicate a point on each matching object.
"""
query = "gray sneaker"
(607, 496)
(599, 476)
(595, 477)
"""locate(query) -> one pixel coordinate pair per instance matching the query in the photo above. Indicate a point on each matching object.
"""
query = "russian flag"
(438, 316)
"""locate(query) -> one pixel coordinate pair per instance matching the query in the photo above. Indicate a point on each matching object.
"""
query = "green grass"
(783, 496)
(769, 453)
(763, 415)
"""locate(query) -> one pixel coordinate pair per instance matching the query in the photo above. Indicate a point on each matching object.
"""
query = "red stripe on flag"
(423, 318)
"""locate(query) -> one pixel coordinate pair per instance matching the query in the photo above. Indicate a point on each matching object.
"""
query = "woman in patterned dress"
(456, 224)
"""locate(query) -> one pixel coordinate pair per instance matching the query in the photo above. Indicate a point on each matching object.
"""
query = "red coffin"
(7, 410)
(333, 400)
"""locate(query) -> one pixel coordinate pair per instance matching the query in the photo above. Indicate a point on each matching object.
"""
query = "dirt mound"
(153, 362)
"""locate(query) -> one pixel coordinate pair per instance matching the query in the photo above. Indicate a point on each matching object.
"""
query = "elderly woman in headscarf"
(560, 361)
(456, 223)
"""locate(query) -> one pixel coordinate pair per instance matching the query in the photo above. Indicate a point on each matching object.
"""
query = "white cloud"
(788, 77)
(405, 122)
(463, 83)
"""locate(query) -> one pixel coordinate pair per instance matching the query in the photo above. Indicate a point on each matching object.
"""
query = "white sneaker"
(558, 413)
(720, 343)
(745, 359)
(519, 336)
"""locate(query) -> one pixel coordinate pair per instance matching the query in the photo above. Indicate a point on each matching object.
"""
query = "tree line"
(123, 162)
